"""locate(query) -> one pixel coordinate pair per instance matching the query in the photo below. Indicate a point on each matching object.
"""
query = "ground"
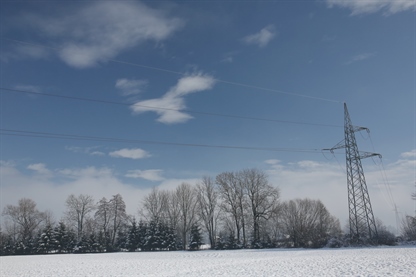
(378, 261)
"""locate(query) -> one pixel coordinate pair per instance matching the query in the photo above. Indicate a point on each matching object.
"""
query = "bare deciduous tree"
(232, 195)
(263, 199)
(25, 217)
(208, 207)
(172, 209)
(185, 195)
(308, 223)
(103, 216)
(78, 209)
(118, 209)
(155, 205)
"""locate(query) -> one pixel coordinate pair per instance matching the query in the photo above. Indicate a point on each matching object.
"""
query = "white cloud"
(27, 88)
(39, 168)
(372, 6)
(327, 182)
(88, 172)
(360, 57)
(100, 30)
(410, 154)
(24, 51)
(151, 174)
(130, 86)
(312, 179)
(31, 51)
(86, 150)
(7, 163)
(97, 182)
(97, 153)
(134, 153)
(261, 38)
(229, 56)
(228, 59)
(169, 106)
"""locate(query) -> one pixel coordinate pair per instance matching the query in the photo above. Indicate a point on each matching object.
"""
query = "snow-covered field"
(381, 261)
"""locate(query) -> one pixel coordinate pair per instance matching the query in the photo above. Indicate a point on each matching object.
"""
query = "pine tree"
(231, 242)
(171, 238)
(142, 231)
(45, 242)
(62, 239)
(195, 240)
(151, 238)
(83, 246)
(132, 237)
(121, 240)
(94, 244)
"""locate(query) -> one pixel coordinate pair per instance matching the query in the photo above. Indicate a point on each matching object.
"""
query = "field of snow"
(381, 261)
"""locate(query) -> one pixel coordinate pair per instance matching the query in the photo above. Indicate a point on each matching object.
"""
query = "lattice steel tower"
(361, 218)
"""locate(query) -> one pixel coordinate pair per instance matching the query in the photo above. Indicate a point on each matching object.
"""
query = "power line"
(183, 74)
(34, 134)
(161, 108)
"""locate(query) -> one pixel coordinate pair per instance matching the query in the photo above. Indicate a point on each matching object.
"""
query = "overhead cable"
(161, 108)
(35, 134)
(183, 74)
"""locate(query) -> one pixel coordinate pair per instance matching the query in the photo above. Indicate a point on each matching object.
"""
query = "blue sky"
(291, 62)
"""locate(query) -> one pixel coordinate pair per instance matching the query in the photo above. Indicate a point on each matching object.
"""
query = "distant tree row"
(232, 211)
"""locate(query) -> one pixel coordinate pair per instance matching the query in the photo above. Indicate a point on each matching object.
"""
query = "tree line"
(231, 211)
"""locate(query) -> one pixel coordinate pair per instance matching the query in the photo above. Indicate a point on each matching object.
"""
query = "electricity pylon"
(361, 218)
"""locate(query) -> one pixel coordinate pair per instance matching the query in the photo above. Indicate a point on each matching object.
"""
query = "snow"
(379, 261)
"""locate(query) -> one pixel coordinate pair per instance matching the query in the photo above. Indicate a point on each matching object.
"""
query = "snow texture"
(380, 261)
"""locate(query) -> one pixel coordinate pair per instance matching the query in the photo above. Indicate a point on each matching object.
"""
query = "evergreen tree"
(8, 247)
(195, 240)
(150, 239)
(163, 236)
(45, 242)
(32, 245)
(231, 242)
(132, 241)
(171, 238)
(142, 231)
(94, 244)
(83, 246)
(157, 236)
(62, 239)
(122, 240)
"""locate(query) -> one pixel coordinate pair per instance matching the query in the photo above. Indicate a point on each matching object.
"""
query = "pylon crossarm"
(360, 128)
(364, 155)
(339, 145)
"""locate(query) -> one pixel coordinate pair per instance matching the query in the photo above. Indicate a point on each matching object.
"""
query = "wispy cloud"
(327, 181)
(410, 154)
(305, 178)
(40, 168)
(134, 153)
(86, 150)
(371, 6)
(100, 30)
(173, 102)
(151, 174)
(130, 86)
(229, 56)
(262, 38)
(28, 88)
(87, 172)
(95, 181)
(24, 52)
(360, 57)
